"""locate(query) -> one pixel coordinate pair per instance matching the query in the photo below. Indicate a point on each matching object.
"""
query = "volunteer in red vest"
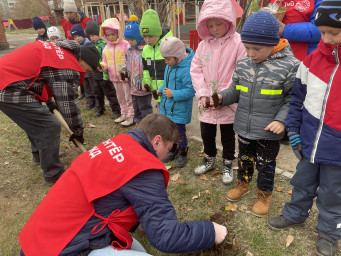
(72, 17)
(298, 26)
(34, 73)
(107, 192)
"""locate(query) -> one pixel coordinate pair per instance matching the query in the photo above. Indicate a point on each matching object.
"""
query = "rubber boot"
(181, 158)
(171, 154)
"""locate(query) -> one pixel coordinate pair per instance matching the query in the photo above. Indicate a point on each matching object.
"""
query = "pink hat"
(173, 47)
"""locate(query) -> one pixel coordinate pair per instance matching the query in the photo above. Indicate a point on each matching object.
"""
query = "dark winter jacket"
(262, 91)
(179, 107)
(43, 37)
(147, 194)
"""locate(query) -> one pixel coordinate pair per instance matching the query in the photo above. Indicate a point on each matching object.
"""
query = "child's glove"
(295, 141)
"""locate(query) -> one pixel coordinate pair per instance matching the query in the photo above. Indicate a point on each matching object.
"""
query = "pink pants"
(124, 98)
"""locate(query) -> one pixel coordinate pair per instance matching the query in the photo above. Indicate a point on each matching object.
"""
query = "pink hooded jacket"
(215, 59)
(114, 53)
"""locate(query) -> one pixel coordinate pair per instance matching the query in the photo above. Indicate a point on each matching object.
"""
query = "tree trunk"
(3, 40)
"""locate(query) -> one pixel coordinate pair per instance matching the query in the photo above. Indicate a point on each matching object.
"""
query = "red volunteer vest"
(297, 11)
(67, 26)
(26, 62)
(69, 203)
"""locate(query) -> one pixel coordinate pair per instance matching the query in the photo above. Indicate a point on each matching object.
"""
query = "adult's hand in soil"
(168, 93)
(220, 232)
(295, 141)
(275, 127)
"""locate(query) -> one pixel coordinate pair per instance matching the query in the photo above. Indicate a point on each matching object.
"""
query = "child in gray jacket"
(262, 83)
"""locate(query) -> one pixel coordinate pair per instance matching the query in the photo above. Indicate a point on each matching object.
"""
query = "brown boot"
(236, 193)
(261, 207)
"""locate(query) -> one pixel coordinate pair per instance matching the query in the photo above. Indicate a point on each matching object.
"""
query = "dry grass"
(21, 190)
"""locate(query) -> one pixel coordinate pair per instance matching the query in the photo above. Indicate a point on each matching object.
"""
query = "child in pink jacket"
(114, 61)
(211, 71)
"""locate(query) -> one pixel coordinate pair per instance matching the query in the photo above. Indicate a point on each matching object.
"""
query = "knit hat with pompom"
(132, 29)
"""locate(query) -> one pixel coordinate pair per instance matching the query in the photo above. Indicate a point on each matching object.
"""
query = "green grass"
(29, 31)
(22, 189)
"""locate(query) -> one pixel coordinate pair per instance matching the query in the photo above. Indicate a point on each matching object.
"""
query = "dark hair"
(158, 124)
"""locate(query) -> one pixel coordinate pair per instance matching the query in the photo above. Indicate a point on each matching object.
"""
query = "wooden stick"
(65, 125)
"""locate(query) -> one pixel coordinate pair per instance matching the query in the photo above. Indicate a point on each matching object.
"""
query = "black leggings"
(208, 135)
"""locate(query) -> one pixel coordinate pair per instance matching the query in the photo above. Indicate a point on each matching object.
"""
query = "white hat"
(53, 31)
(173, 47)
(70, 6)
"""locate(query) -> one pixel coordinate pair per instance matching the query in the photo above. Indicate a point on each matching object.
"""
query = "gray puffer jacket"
(262, 91)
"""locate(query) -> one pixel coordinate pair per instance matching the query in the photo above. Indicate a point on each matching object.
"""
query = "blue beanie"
(38, 23)
(261, 28)
(132, 30)
(77, 30)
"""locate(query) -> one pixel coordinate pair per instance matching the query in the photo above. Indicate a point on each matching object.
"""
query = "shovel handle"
(65, 125)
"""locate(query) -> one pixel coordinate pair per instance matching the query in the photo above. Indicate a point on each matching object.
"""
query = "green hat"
(150, 24)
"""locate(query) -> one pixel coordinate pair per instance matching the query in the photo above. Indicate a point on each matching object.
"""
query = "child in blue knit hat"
(78, 34)
(134, 70)
(39, 26)
(261, 85)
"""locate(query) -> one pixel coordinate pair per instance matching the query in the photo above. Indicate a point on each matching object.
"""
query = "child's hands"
(168, 92)
(275, 127)
(146, 87)
(156, 94)
(212, 100)
(103, 67)
(123, 75)
(203, 102)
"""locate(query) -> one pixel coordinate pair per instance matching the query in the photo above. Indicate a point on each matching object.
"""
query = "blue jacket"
(147, 194)
(178, 78)
(315, 109)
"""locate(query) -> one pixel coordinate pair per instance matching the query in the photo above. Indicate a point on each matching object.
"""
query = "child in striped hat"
(314, 128)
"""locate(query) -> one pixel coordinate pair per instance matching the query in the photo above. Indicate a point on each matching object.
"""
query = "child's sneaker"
(120, 119)
(261, 207)
(236, 193)
(128, 122)
(227, 171)
(207, 164)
